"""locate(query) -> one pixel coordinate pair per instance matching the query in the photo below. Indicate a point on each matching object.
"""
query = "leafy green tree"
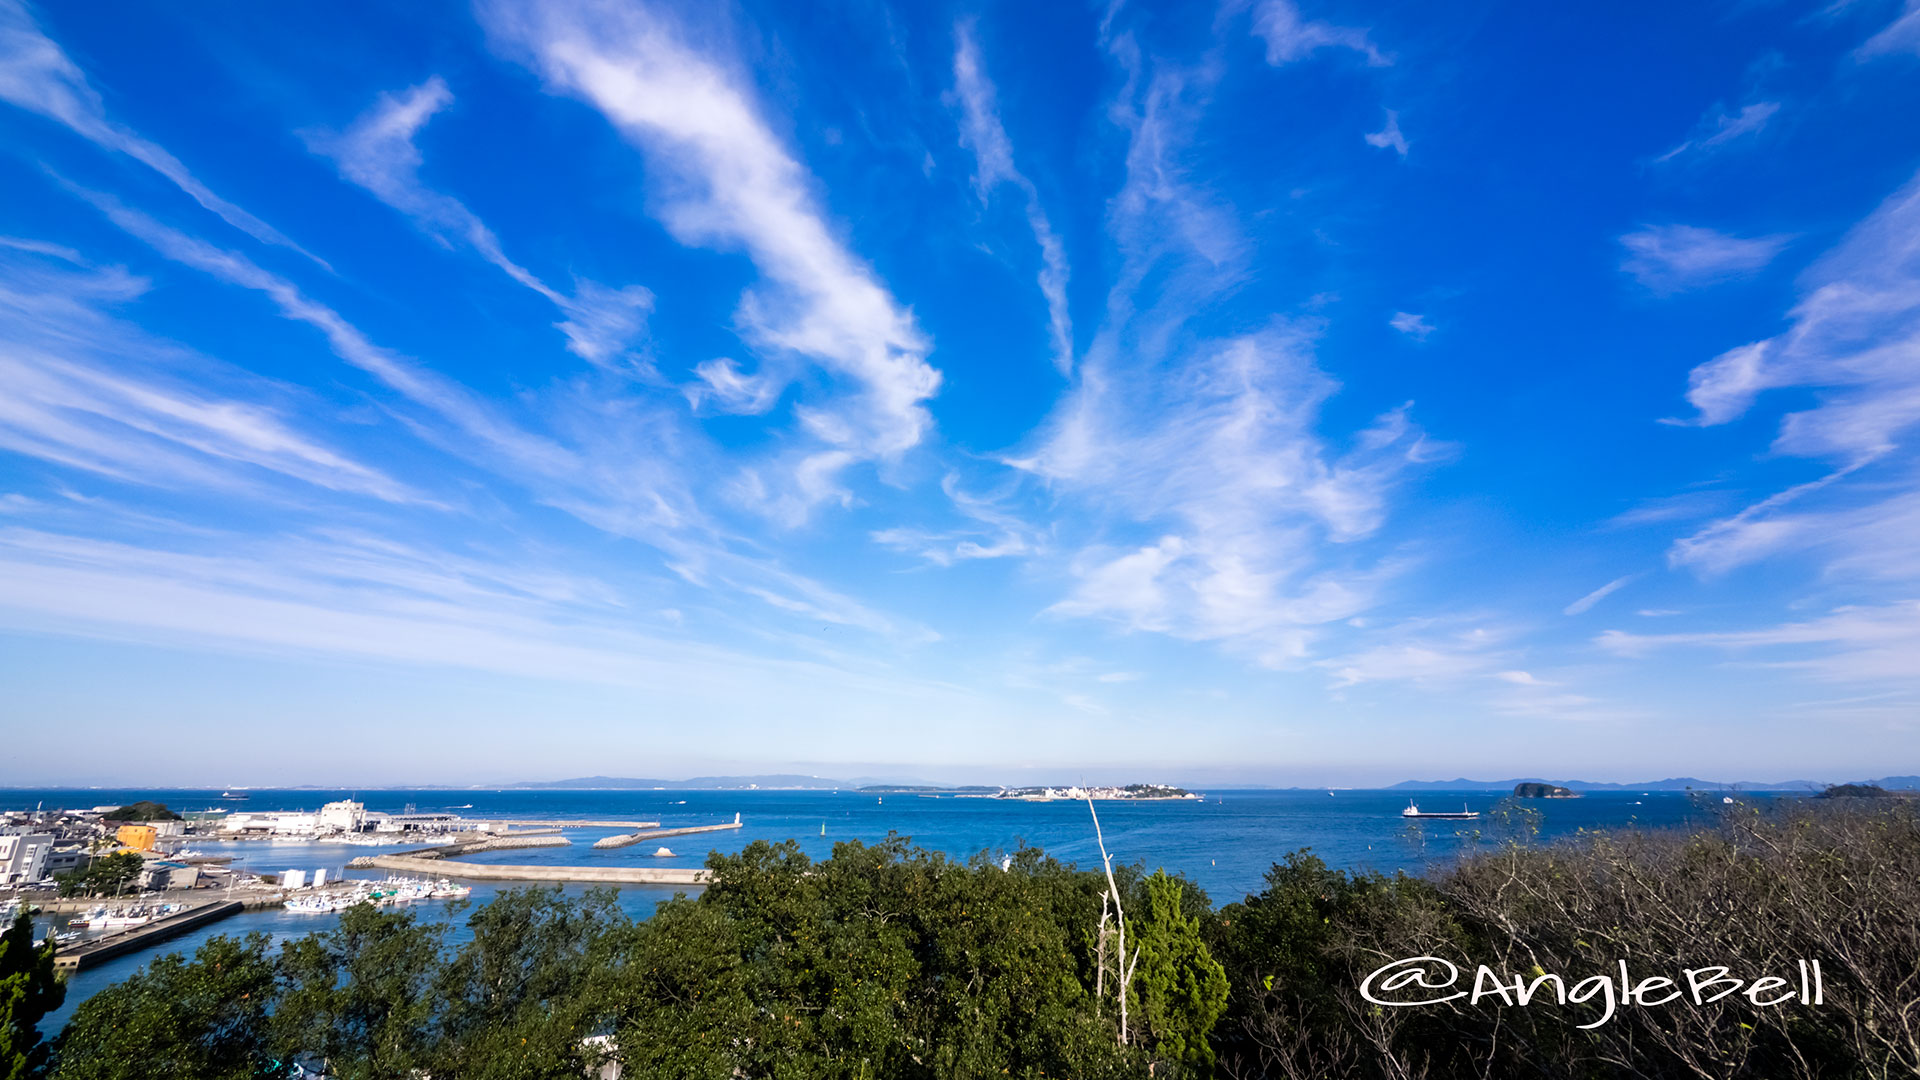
(515, 1001)
(205, 1018)
(1179, 991)
(679, 989)
(144, 810)
(360, 997)
(108, 875)
(29, 990)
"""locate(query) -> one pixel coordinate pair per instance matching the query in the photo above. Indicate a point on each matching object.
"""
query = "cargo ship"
(1462, 814)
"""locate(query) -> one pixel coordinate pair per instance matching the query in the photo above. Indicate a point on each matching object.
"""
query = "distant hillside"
(1672, 783)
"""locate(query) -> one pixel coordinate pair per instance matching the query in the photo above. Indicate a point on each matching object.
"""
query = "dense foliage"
(889, 961)
(108, 875)
(144, 810)
(28, 992)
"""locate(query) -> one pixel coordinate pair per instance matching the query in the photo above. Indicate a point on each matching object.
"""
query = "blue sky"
(1266, 391)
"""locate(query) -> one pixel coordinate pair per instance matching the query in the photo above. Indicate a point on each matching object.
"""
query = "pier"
(559, 823)
(106, 947)
(433, 856)
(630, 839)
(596, 875)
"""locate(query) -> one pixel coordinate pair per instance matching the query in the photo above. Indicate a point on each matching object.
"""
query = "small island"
(1862, 791)
(1136, 792)
(1543, 791)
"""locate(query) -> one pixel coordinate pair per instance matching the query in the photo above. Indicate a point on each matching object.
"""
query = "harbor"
(547, 838)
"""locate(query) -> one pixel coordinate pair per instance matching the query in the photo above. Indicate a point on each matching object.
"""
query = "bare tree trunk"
(1125, 974)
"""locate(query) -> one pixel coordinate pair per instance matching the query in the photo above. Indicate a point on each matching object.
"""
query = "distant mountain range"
(1672, 783)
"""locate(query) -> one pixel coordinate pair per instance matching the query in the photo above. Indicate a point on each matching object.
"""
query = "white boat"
(1463, 814)
(1726, 798)
(663, 853)
(320, 905)
(120, 920)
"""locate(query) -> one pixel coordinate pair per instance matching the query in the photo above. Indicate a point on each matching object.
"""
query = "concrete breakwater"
(464, 847)
(601, 875)
(88, 953)
(629, 839)
(570, 823)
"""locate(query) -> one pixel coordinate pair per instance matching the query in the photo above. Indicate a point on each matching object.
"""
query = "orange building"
(137, 837)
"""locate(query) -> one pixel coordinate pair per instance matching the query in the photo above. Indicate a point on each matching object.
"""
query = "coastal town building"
(167, 874)
(23, 856)
(136, 837)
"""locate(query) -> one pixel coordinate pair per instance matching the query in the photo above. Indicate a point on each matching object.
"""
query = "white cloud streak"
(90, 392)
(1585, 603)
(1902, 35)
(37, 75)
(1414, 326)
(1719, 128)
(734, 186)
(1291, 36)
(1668, 259)
(1854, 337)
(1389, 137)
(378, 153)
(982, 132)
(1852, 644)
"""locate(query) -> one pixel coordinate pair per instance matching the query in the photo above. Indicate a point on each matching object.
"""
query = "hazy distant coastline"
(880, 785)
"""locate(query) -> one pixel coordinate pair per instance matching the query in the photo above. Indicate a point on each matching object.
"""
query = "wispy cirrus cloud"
(37, 75)
(734, 186)
(421, 386)
(1869, 643)
(1668, 259)
(1719, 128)
(1291, 36)
(1586, 603)
(982, 132)
(620, 471)
(1223, 514)
(346, 595)
(89, 391)
(378, 153)
(1900, 35)
(1414, 326)
(1389, 137)
(1852, 339)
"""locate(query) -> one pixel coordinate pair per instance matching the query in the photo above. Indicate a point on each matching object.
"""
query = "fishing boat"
(235, 795)
(1462, 814)
(663, 853)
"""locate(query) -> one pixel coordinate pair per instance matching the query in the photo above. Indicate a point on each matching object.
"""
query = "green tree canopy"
(29, 990)
(1178, 990)
(144, 810)
(205, 1018)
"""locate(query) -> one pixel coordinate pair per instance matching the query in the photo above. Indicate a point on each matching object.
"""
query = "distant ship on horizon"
(235, 795)
(1462, 814)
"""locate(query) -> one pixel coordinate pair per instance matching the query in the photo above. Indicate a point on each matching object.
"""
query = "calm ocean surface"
(1224, 844)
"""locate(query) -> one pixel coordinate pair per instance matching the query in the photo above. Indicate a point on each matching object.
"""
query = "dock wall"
(600, 875)
(630, 839)
(89, 953)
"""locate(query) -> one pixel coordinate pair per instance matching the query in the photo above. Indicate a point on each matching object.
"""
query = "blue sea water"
(1224, 843)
